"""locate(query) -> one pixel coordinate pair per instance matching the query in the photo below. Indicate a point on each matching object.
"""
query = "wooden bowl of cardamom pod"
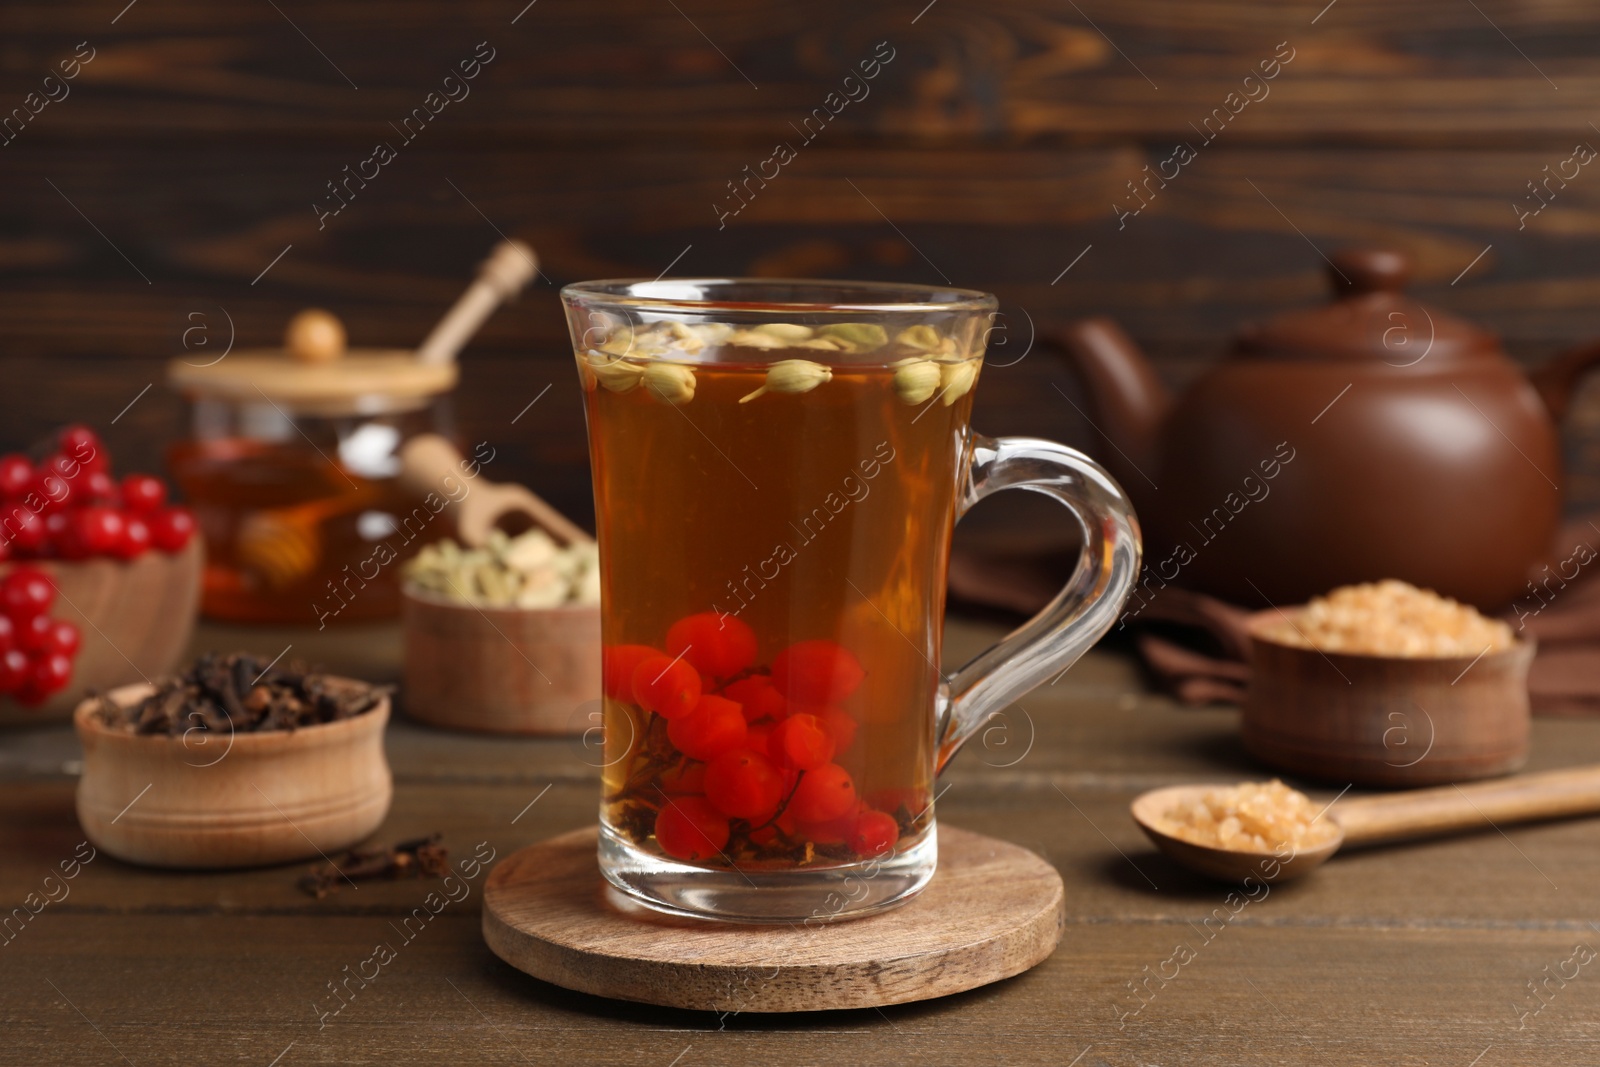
(504, 638)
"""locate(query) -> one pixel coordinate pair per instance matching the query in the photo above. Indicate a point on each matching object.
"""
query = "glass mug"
(778, 468)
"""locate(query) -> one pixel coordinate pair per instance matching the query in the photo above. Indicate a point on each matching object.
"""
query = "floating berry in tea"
(617, 664)
(717, 645)
(874, 833)
(759, 698)
(669, 687)
(690, 829)
(716, 725)
(824, 794)
(801, 742)
(684, 778)
(817, 672)
(744, 785)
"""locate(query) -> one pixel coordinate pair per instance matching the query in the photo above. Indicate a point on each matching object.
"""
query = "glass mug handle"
(1079, 615)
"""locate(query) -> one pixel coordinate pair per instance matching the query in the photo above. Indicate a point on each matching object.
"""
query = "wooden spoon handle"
(509, 267)
(1431, 812)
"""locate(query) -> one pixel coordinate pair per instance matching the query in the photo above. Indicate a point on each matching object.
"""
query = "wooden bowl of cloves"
(235, 763)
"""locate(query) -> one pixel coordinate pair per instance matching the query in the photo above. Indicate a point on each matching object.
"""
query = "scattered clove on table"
(418, 858)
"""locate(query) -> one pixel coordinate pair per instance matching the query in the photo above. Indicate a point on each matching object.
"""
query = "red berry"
(171, 528)
(840, 726)
(13, 670)
(16, 474)
(96, 531)
(744, 785)
(33, 635)
(689, 829)
(42, 634)
(801, 741)
(98, 487)
(668, 687)
(67, 468)
(617, 663)
(824, 794)
(717, 645)
(48, 674)
(22, 528)
(816, 672)
(833, 832)
(64, 639)
(26, 592)
(874, 834)
(141, 492)
(135, 540)
(83, 445)
(48, 491)
(759, 697)
(687, 778)
(716, 725)
(8, 634)
(61, 540)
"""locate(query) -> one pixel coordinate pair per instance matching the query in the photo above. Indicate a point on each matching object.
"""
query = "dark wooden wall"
(989, 151)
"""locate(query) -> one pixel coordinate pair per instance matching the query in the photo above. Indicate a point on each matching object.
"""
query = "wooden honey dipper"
(283, 545)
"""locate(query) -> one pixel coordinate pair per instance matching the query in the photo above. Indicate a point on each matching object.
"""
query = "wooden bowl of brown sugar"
(285, 767)
(1386, 685)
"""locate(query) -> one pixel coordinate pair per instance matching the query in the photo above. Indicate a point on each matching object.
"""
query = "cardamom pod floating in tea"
(956, 379)
(615, 373)
(915, 380)
(671, 382)
(791, 376)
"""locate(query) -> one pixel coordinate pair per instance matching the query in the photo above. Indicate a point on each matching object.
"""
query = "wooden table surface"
(1416, 955)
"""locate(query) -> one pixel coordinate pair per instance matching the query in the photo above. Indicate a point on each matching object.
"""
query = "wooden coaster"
(991, 911)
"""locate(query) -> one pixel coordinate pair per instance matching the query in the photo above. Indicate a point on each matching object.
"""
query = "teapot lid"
(1370, 317)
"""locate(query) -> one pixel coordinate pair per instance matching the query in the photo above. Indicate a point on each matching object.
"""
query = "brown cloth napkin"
(1197, 645)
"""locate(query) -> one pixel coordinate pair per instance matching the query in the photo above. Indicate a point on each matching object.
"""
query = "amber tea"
(770, 657)
(777, 469)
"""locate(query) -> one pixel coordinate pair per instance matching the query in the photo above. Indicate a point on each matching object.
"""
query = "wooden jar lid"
(313, 372)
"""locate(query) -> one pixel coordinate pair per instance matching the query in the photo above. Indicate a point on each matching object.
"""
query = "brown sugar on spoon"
(1249, 817)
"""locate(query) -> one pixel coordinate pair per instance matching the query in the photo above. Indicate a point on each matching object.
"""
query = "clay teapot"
(1368, 438)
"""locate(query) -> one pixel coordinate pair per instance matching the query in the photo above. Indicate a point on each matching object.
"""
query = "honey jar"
(293, 470)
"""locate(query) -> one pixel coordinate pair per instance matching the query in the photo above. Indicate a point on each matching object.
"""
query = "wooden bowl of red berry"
(99, 578)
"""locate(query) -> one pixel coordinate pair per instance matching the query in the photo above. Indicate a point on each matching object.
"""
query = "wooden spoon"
(1381, 818)
(431, 464)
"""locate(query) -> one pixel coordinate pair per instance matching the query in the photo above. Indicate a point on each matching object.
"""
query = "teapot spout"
(1558, 379)
(1129, 401)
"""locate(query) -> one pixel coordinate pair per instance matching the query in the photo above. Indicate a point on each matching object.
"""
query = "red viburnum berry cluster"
(36, 651)
(758, 744)
(68, 506)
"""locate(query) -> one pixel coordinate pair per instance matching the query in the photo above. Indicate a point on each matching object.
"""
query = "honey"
(295, 537)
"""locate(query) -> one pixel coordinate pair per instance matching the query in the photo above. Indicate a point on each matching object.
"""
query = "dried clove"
(240, 693)
(417, 858)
